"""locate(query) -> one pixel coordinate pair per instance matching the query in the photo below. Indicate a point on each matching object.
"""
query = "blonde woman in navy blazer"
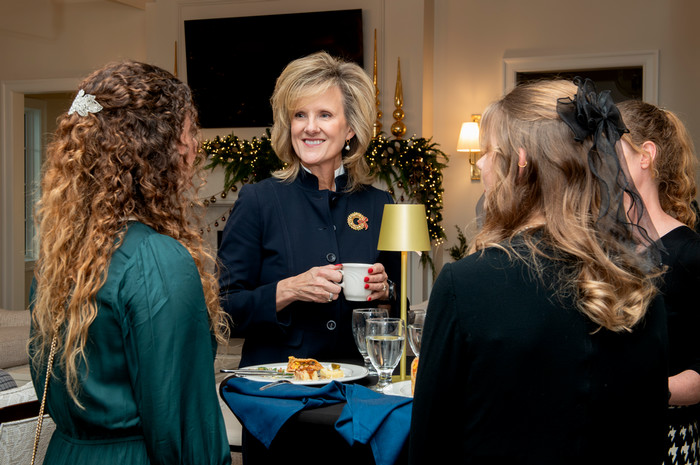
(286, 240)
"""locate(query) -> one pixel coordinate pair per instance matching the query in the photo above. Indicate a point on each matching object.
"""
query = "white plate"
(351, 372)
(402, 388)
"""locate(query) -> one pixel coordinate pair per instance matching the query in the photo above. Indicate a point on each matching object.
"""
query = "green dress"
(148, 390)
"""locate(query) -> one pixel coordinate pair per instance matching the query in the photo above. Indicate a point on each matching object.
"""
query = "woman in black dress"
(547, 345)
(662, 163)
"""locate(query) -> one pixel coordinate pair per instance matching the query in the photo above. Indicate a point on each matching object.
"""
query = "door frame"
(12, 94)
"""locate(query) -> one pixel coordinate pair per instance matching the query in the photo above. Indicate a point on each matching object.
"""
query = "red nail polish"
(370, 270)
(366, 286)
(368, 299)
(366, 279)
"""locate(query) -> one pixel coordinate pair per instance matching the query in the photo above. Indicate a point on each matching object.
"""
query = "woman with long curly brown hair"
(124, 283)
(547, 342)
(662, 163)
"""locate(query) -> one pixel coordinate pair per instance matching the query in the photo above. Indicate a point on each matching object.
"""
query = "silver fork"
(274, 383)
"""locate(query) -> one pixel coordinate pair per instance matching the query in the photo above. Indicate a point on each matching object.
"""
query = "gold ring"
(330, 297)
(383, 287)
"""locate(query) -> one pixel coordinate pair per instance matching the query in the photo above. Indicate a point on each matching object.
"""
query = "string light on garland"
(414, 166)
(243, 160)
(206, 203)
(410, 167)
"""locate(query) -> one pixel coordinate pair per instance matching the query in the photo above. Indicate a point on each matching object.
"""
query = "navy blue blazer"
(279, 229)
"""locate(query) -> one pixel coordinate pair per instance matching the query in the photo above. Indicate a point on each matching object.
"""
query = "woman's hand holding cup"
(318, 284)
(359, 282)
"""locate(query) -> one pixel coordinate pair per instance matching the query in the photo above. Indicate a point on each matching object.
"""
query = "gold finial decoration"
(378, 123)
(398, 129)
(175, 69)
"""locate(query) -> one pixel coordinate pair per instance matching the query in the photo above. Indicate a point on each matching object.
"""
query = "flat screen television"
(233, 63)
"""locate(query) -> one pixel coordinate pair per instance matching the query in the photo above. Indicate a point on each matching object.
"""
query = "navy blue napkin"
(264, 412)
(380, 420)
(368, 417)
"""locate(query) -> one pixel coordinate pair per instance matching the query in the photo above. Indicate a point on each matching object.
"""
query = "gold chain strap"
(40, 420)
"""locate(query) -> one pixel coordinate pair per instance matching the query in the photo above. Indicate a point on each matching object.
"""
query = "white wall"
(451, 55)
(47, 46)
(473, 37)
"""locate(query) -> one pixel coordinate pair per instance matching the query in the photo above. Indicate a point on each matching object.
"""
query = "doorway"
(13, 288)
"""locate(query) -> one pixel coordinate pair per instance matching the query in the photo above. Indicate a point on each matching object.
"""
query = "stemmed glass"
(359, 316)
(415, 332)
(385, 344)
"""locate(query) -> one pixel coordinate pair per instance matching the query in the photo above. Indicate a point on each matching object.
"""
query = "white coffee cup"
(353, 283)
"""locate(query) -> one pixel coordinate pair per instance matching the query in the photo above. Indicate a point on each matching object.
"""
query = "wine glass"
(415, 332)
(359, 316)
(385, 344)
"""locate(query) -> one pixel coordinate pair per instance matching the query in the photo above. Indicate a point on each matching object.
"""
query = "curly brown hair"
(675, 164)
(103, 169)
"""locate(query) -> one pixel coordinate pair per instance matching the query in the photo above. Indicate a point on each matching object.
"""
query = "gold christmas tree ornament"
(398, 129)
(378, 123)
(175, 67)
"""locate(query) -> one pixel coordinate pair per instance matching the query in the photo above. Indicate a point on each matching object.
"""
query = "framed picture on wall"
(632, 75)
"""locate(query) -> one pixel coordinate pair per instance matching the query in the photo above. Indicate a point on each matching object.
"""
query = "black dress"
(680, 286)
(509, 373)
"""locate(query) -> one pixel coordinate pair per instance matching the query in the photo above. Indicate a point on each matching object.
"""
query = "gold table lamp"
(404, 229)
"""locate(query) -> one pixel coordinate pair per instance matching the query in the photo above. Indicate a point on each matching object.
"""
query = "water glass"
(415, 332)
(385, 344)
(359, 316)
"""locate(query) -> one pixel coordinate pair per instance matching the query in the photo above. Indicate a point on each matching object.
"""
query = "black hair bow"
(591, 113)
(594, 114)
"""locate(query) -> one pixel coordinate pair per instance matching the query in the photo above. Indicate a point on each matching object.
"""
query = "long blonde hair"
(312, 75)
(103, 169)
(610, 283)
(675, 164)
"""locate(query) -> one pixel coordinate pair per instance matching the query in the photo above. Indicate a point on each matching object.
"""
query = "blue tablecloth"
(368, 417)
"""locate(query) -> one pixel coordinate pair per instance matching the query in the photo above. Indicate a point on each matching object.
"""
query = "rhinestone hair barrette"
(84, 104)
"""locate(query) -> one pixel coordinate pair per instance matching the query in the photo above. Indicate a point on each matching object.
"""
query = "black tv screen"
(233, 63)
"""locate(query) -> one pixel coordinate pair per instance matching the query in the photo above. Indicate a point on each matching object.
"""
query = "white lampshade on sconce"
(469, 142)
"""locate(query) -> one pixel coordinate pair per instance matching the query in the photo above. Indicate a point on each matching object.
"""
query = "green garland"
(413, 166)
(243, 161)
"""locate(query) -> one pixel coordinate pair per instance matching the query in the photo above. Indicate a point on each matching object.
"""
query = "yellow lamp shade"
(404, 228)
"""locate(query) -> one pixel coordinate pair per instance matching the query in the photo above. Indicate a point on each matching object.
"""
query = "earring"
(347, 144)
(522, 166)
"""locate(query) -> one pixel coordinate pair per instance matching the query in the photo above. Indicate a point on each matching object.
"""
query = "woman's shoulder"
(681, 234)
(148, 258)
(682, 241)
(483, 266)
(141, 238)
(372, 191)
(486, 258)
(682, 246)
(269, 188)
(265, 185)
(138, 233)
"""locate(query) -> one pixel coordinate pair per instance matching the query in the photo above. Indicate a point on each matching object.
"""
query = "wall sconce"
(469, 142)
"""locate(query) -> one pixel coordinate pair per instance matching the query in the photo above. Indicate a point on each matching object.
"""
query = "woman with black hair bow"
(547, 345)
